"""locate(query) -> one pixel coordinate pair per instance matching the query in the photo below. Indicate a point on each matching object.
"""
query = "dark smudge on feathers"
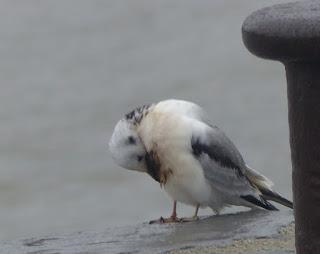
(153, 165)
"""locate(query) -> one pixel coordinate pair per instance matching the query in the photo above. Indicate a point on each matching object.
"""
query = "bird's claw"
(162, 220)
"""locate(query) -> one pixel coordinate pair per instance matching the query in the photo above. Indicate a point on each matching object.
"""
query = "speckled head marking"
(126, 147)
(135, 116)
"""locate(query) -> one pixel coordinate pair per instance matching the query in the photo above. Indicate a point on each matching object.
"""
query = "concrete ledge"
(258, 226)
(281, 243)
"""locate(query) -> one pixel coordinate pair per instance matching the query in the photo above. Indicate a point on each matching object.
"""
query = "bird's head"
(126, 146)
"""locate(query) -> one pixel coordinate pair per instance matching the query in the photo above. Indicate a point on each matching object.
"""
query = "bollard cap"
(285, 32)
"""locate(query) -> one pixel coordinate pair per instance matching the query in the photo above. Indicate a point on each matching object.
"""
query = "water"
(70, 69)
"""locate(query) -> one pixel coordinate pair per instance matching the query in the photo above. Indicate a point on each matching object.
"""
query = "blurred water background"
(70, 69)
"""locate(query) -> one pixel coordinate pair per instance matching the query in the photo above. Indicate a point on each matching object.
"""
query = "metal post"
(290, 33)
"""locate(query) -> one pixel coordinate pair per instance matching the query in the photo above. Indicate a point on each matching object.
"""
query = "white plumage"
(174, 142)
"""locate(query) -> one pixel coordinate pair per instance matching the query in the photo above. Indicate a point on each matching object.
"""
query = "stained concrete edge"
(255, 227)
(281, 243)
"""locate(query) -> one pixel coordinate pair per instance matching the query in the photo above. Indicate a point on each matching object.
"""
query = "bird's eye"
(131, 140)
(139, 158)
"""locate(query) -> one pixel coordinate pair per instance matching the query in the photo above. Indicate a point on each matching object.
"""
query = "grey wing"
(222, 163)
(224, 167)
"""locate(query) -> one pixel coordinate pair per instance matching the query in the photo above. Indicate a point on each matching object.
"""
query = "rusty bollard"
(290, 33)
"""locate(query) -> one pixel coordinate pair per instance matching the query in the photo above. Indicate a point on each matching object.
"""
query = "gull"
(194, 161)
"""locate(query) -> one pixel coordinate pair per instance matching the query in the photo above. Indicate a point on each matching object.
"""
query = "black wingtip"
(260, 202)
(274, 196)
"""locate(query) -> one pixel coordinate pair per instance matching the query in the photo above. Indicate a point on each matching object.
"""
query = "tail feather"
(258, 179)
(271, 195)
(264, 185)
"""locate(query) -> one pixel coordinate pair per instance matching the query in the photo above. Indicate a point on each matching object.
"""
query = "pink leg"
(173, 218)
(193, 218)
(174, 211)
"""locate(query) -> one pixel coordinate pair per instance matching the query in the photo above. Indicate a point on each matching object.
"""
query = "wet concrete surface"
(282, 243)
(145, 238)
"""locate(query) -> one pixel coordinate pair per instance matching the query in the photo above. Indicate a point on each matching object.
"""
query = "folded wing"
(223, 165)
